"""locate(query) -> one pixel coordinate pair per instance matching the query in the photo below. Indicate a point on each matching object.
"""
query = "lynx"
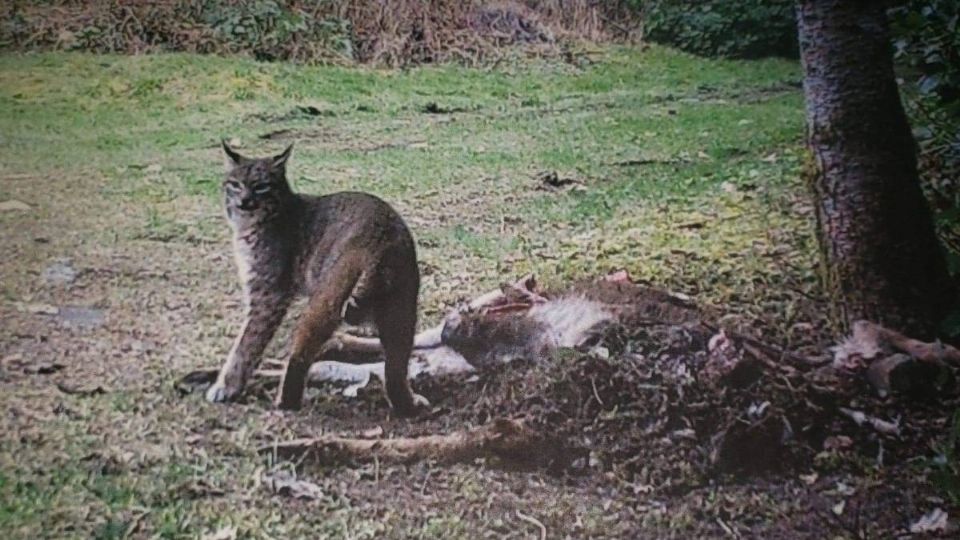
(350, 253)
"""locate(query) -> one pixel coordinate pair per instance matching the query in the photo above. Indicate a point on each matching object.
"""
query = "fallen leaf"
(12, 359)
(845, 490)
(839, 507)
(809, 479)
(286, 485)
(224, 533)
(37, 309)
(14, 205)
(935, 520)
(372, 433)
(619, 276)
(837, 442)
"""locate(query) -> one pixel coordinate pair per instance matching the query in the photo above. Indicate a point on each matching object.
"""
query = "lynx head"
(254, 188)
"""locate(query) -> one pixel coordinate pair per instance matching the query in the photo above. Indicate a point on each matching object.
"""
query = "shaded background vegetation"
(927, 46)
(742, 29)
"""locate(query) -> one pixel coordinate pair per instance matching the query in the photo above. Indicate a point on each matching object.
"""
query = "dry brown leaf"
(287, 485)
(14, 205)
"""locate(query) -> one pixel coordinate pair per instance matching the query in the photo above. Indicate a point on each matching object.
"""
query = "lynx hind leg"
(319, 320)
(396, 321)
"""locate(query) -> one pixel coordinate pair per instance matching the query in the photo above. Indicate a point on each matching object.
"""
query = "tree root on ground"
(508, 440)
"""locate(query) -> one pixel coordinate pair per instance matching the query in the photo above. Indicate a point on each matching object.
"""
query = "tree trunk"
(881, 257)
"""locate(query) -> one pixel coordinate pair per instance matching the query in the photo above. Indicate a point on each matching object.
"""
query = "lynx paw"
(219, 393)
(287, 404)
(417, 405)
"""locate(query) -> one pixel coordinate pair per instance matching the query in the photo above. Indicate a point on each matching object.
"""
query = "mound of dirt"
(672, 402)
(661, 406)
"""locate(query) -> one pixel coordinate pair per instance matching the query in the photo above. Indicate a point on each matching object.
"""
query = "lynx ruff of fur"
(350, 253)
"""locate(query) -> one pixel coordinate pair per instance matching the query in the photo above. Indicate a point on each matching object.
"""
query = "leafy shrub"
(743, 29)
(927, 45)
(266, 29)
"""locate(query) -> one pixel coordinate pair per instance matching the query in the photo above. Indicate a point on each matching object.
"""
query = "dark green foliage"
(946, 465)
(264, 29)
(741, 29)
(927, 45)
(267, 28)
(928, 41)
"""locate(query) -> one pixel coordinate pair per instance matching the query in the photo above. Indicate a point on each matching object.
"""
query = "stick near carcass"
(508, 440)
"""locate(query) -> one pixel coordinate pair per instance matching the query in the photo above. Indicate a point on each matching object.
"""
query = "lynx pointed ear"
(280, 160)
(231, 158)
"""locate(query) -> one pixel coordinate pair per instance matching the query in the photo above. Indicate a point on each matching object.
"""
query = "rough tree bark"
(881, 257)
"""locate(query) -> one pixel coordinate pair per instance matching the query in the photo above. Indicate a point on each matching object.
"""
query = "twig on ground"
(509, 440)
(881, 426)
(535, 522)
(75, 391)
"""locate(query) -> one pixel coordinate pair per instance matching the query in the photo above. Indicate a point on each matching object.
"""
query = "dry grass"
(394, 33)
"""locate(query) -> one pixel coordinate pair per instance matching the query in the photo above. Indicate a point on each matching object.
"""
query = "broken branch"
(509, 440)
(881, 426)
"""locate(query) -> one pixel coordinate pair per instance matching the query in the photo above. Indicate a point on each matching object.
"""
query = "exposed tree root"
(892, 360)
(508, 440)
(935, 352)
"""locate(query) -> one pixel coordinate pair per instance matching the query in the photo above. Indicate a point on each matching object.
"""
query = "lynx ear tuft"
(280, 160)
(231, 158)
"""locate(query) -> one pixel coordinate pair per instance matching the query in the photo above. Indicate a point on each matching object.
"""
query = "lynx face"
(254, 188)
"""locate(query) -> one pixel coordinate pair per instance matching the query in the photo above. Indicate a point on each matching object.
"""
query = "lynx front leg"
(262, 322)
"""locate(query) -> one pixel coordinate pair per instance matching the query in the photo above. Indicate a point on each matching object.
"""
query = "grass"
(686, 174)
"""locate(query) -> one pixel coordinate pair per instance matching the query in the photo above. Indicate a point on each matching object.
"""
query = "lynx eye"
(232, 186)
(260, 189)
